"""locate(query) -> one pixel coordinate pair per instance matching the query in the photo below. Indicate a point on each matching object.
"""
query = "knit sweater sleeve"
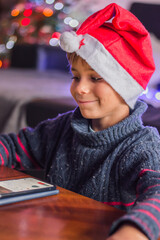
(145, 168)
(31, 148)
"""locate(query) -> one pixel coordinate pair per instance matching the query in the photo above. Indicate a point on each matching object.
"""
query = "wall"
(126, 3)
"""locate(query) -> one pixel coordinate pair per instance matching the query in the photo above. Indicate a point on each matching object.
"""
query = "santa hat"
(118, 47)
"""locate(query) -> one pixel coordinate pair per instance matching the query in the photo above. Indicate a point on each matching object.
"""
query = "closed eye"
(94, 79)
(75, 78)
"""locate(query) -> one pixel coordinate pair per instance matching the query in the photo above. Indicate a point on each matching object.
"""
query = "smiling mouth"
(86, 102)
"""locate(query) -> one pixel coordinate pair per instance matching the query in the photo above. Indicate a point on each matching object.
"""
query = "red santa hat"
(118, 47)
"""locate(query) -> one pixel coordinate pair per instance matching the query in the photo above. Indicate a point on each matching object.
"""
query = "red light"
(56, 35)
(25, 21)
(27, 12)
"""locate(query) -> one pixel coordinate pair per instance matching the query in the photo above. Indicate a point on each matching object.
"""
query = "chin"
(88, 114)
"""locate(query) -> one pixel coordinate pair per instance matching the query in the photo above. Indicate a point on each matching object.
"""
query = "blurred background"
(34, 73)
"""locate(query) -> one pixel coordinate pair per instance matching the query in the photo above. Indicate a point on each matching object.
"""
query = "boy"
(101, 149)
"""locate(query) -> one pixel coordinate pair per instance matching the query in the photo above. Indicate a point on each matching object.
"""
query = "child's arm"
(30, 148)
(145, 214)
(140, 171)
(128, 232)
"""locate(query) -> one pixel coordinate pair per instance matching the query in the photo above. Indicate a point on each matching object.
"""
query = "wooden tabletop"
(66, 216)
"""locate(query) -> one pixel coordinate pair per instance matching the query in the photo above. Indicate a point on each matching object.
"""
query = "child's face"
(97, 100)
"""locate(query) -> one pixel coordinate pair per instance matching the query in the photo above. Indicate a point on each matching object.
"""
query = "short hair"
(73, 57)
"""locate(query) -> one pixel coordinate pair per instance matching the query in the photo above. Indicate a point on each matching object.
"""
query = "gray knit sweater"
(119, 165)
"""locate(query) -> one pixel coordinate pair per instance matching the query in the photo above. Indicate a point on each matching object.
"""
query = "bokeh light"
(27, 12)
(157, 96)
(58, 6)
(25, 21)
(67, 20)
(47, 12)
(73, 23)
(15, 12)
(50, 1)
(1, 63)
(56, 35)
(10, 44)
(53, 42)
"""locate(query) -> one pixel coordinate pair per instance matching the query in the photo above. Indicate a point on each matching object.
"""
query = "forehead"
(80, 63)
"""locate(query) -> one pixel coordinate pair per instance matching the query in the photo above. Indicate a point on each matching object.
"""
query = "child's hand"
(128, 232)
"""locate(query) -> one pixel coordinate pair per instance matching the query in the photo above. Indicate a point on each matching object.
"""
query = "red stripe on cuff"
(6, 150)
(119, 204)
(145, 190)
(19, 161)
(156, 185)
(150, 205)
(2, 160)
(26, 152)
(149, 215)
(146, 170)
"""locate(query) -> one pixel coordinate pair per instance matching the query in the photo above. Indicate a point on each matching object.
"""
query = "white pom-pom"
(70, 41)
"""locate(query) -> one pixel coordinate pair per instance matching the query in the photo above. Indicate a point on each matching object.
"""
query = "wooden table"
(67, 216)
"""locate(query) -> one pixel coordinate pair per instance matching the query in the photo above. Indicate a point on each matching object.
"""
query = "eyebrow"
(73, 69)
(90, 69)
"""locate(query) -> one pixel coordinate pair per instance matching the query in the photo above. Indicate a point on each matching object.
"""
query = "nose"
(83, 87)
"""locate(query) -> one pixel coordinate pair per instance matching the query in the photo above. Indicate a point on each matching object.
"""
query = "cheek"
(102, 93)
(72, 89)
(107, 97)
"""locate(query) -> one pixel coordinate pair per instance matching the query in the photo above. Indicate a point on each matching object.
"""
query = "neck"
(110, 120)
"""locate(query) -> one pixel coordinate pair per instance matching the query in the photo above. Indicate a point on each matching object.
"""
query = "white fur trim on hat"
(107, 67)
(70, 41)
